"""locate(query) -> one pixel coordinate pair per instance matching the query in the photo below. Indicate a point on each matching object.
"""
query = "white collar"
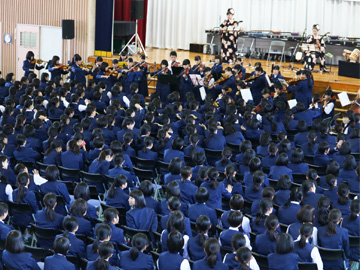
(233, 228)
(293, 202)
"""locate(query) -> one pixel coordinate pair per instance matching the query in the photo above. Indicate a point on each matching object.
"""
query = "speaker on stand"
(68, 33)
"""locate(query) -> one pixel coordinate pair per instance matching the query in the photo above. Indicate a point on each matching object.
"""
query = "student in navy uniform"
(303, 89)
(253, 131)
(171, 259)
(82, 191)
(148, 190)
(329, 104)
(276, 75)
(175, 151)
(264, 140)
(343, 202)
(52, 174)
(6, 189)
(58, 261)
(111, 218)
(307, 253)
(4, 228)
(187, 189)
(195, 245)
(14, 255)
(254, 165)
(146, 152)
(283, 193)
(72, 158)
(52, 156)
(174, 170)
(270, 159)
(258, 85)
(352, 224)
(234, 219)
(78, 73)
(284, 257)
(56, 69)
(29, 65)
(349, 168)
(310, 197)
(78, 210)
(225, 160)
(116, 196)
(332, 191)
(215, 140)
(135, 258)
(200, 207)
(253, 192)
(101, 166)
(185, 81)
(287, 212)
(334, 237)
(297, 164)
(267, 192)
(265, 243)
(106, 251)
(163, 90)
(24, 153)
(265, 209)
(140, 217)
(280, 167)
(217, 68)
(119, 161)
(212, 248)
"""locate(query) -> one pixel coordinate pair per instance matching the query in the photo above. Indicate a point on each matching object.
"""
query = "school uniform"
(308, 254)
(233, 264)
(26, 154)
(276, 171)
(262, 151)
(142, 219)
(287, 214)
(77, 246)
(164, 220)
(331, 194)
(281, 196)
(248, 180)
(43, 222)
(345, 209)
(302, 91)
(84, 226)
(171, 261)
(93, 256)
(353, 229)
(4, 230)
(294, 230)
(339, 240)
(131, 178)
(23, 261)
(91, 266)
(148, 155)
(162, 89)
(354, 185)
(259, 228)
(198, 209)
(120, 199)
(195, 251)
(25, 219)
(344, 174)
(311, 198)
(226, 236)
(169, 154)
(264, 245)
(300, 168)
(58, 262)
(255, 207)
(71, 160)
(79, 74)
(203, 265)
(117, 234)
(58, 189)
(215, 195)
(142, 262)
(216, 142)
(10, 175)
(338, 158)
(165, 209)
(235, 138)
(188, 191)
(257, 86)
(306, 150)
(253, 134)
(27, 65)
(251, 195)
(283, 261)
(268, 161)
(169, 177)
(301, 138)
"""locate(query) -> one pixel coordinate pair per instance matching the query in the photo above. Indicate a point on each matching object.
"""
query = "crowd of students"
(104, 127)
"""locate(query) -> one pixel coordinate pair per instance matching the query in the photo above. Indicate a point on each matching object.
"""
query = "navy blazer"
(215, 198)
(216, 142)
(84, 226)
(170, 261)
(91, 266)
(71, 160)
(43, 222)
(195, 251)
(264, 245)
(131, 178)
(120, 199)
(79, 74)
(25, 219)
(281, 196)
(302, 91)
(27, 65)
(142, 219)
(164, 220)
(301, 138)
(58, 262)
(257, 86)
(4, 230)
(288, 261)
(345, 209)
(26, 154)
(23, 261)
(169, 177)
(53, 158)
(57, 188)
(277, 171)
(117, 234)
(311, 198)
(188, 191)
(77, 247)
(235, 138)
(93, 256)
(301, 168)
(251, 195)
(199, 209)
(268, 161)
(203, 265)
(142, 262)
(169, 154)
(321, 159)
(153, 204)
(149, 155)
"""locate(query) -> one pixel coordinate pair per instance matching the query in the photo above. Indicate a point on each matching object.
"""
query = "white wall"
(50, 43)
(175, 24)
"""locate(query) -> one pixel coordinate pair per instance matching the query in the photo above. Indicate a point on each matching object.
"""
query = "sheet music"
(268, 80)
(344, 99)
(202, 92)
(246, 94)
(196, 80)
(126, 100)
(292, 103)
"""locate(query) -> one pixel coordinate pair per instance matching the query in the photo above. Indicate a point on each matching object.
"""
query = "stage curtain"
(175, 24)
(104, 25)
(122, 12)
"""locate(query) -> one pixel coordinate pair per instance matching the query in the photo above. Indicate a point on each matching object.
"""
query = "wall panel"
(50, 13)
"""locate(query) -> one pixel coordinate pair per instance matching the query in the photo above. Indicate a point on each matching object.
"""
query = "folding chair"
(261, 260)
(307, 266)
(67, 174)
(39, 254)
(277, 48)
(328, 255)
(94, 179)
(43, 234)
(224, 251)
(121, 210)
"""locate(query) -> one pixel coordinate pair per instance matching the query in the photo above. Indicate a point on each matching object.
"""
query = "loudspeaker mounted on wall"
(68, 29)
(137, 9)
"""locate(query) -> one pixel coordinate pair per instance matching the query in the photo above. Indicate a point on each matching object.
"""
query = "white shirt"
(329, 107)
(8, 192)
(247, 240)
(315, 255)
(253, 263)
(38, 180)
(315, 235)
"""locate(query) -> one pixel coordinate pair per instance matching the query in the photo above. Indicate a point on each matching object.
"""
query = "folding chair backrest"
(307, 266)
(277, 43)
(261, 260)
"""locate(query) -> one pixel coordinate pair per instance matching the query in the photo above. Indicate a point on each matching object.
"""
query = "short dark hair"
(236, 202)
(175, 242)
(235, 218)
(202, 195)
(14, 242)
(147, 188)
(306, 214)
(139, 198)
(62, 245)
(284, 244)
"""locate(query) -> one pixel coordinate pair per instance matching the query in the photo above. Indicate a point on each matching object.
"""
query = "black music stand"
(176, 70)
(167, 79)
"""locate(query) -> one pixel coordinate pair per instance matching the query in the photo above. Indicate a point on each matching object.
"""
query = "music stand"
(176, 70)
(137, 41)
(167, 79)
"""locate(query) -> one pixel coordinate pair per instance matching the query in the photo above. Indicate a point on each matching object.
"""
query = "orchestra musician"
(227, 79)
(240, 61)
(217, 68)
(30, 64)
(208, 78)
(279, 94)
(276, 75)
(78, 73)
(162, 89)
(198, 68)
(258, 85)
(143, 86)
(123, 57)
(319, 49)
(328, 103)
(229, 37)
(185, 81)
(96, 69)
(56, 69)
(257, 64)
(173, 60)
(303, 90)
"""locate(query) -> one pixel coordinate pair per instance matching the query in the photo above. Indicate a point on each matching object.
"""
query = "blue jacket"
(71, 160)
(131, 178)
(302, 91)
(188, 191)
(281, 196)
(57, 188)
(169, 154)
(199, 209)
(264, 245)
(226, 236)
(215, 197)
(235, 138)
(170, 261)
(203, 265)
(321, 159)
(303, 253)
(311, 198)
(77, 247)
(43, 222)
(195, 251)
(216, 142)
(93, 256)
(117, 234)
(79, 74)
(142, 219)
(301, 168)
(58, 262)
(25, 219)
(142, 262)
(26, 154)
(27, 66)
(277, 171)
(53, 158)
(288, 261)
(23, 261)
(256, 87)
(268, 161)
(149, 155)
(120, 199)
(91, 266)
(4, 230)
(84, 226)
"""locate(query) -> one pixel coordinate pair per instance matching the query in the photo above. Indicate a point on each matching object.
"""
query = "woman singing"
(228, 37)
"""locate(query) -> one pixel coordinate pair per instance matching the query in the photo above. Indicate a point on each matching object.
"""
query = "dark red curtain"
(123, 11)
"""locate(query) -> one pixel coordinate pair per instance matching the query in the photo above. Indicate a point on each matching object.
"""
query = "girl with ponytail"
(334, 237)
(352, 224)
(6, 190)
(343, 202)
(212, 248)
(48, 218)
(265, 209)
(245, 259)
(196, 244)
(135, 258)
(307, 253)
(266, 243)
(71, 226)
(103, 234)
(106, 251)
(287, 212)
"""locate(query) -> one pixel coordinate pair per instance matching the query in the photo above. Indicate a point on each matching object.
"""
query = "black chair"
(255, 143)
(121, 210)
(356, 156)
(130, 232)
(157, 239)
(20, 208)
(252, 238)
(93, 179)
(44, 234)
(144, 174)
(155, 256)
(354, 241)
(219, 213)
(307, 266)
(108, 180)
(29, 165)
(69, 186)
(283, 227)
(74, 260)
(212, 155)
(123, 247)
(261, 260)
(219, 230)
(67, 174)
(234, 148)
(144, 163)
(163, 167)
(309, 159)
(266, 170)
(42, 167)
(319, 169)
(189, 161)
(273, 183)
(224, 251)
(39, 254)
(332, 254)
(299, 178)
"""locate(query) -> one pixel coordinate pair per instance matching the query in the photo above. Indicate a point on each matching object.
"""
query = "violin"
(144, 65)
(199, 67)
(280, 92)
(135, 68)
(86, 66)
(207, 80)
(113, 72)
(175, 64)
(251, 78)
(222, 79)
(186, 72)
(37, 61)
(64, 67)
(295, 81)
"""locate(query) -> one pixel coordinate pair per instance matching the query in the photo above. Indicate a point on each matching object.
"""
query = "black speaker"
(349, 69)
(68, 29)
(137, 9)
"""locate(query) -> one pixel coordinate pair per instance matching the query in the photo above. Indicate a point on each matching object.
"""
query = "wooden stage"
(321, 80)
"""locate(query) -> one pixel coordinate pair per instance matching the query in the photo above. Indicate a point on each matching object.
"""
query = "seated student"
(310, 147)
(306, 214)
(146, 152)
(148, 190)
(332, 168)
(334, 237)
(171, 259)
(285, 146)
(7, 172)
(225, 160)
(216, 190)
(354, 183)
(349, 167)
(253, 131)
(284, 257)
(195, 245)
(268, 193)
(253, 192)
(235, 221)
(270, 160)
(23, 195)
(174, 168)
(321, 157)
(23, 152)
(77, 246)
(343, 202)
(254, 165)
(307, 253)
(265, 209)
(215, 140)
(52, 174)
(6, 190)
(82, 191)
(245, 145)
(175, 151)
(140, 217)
(118, 170)
(135, 258)
(200, 171)
(172, 190)
(101, 164)
(126, 145)
(58, 261)
(4, 228)
(322, 212)
(211, 248)
(283, 190)
(106, 251)
(116, 196)
(187, 188)
(127, 126)
(352, 224)
(265, 243)
(344, 150)
(52, 156)
(72, 158)
(193, 146)
(324, 135)
(262, 149)
(232, 135)
(200, 207)
(231, 180)
(280, 167)
(287, 212)
(14, 256)
(310, 197)
(332, 191)
(236, 203)
(300, 137)
(297, 164)
(111, 218)
(248, 155)
(78, 209)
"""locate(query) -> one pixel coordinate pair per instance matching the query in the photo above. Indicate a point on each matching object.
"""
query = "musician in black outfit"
(319, 50)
